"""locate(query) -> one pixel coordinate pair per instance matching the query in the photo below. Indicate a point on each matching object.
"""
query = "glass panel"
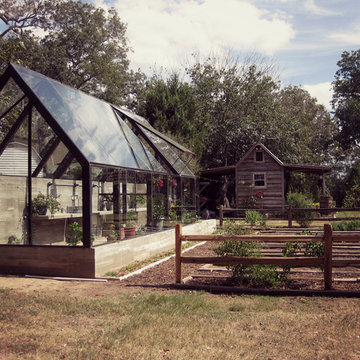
(61, 221)
(106, 212)
(90, 123)
(10, 94)
(259, 156)
(14, 159)
(13, 208)
(259, 179)
(188, 189)
(168, 153)
(53, 161)
(145, 159)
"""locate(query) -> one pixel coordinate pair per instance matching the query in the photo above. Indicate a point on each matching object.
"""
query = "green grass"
(176, 326)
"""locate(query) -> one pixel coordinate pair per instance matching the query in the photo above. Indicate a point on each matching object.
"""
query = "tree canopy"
(346, 98)
(226, 107)
(81, 45)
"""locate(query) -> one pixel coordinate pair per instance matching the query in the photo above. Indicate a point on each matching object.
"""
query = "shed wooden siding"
(274, 176)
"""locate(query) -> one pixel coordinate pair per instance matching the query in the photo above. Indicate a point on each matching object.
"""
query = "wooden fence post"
(178, 235)
(289, 217)
(328, 256)
(221, 215)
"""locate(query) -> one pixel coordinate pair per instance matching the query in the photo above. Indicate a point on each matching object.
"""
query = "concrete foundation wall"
(111, 257)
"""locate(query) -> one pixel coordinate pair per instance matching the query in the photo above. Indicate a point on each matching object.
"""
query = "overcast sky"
(304, 38)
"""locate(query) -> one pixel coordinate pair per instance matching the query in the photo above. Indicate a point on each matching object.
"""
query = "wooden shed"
(261, 179)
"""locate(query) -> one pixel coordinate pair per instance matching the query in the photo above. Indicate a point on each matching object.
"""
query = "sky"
(304, 39)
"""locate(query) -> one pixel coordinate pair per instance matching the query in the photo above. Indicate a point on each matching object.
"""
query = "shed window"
(259, 156)
(259, 180)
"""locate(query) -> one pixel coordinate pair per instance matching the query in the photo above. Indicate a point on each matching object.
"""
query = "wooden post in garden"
(178, 234)
(289, 217)
(221, 215)
(328, 256)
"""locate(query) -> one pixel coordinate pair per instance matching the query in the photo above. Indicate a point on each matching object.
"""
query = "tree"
(346, 98)
(239, 105)
(23, 15)
(170, 106)
(83, 46)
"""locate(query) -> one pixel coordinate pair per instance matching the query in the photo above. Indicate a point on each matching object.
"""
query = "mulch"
(163, 276)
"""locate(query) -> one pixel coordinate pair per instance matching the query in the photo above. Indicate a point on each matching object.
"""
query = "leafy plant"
(113, 234)
(75, 234)
(13, 240)
(131, 218)
(187, 216)
(314, 248)
(140, 199)
(173, 216)
(253, 218)
(291, 249)
(49, 201)
(53, 204)
(233, 228)
(254, 275)
(347, 225)
(300, 201)
(158, 212)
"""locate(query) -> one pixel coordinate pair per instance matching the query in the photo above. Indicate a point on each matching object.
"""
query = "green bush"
(352, 197)
(254, 275)
(231, 227)
(346, 225)
(300, 201)
(253, 218)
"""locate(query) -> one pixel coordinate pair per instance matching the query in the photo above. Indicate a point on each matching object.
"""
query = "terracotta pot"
(130, 231)
(121, 234)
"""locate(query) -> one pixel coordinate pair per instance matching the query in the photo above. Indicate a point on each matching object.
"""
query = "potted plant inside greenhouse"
(113, 235)
(130, 227)
(75, 234)
(158, 216)
(41, 203)
(173, 217)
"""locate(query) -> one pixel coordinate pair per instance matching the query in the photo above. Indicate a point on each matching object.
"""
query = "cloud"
(322, 92)
(316, 10)
(351, 38)
(166, 32)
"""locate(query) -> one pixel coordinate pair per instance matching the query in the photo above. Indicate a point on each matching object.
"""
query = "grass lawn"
(177, 325)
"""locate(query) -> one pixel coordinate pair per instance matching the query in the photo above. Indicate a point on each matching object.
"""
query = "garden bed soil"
(162, 278)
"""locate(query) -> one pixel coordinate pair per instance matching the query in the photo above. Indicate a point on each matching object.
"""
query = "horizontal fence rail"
(333, 245)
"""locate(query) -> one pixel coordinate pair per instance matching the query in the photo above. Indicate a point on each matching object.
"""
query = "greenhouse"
(77, 172)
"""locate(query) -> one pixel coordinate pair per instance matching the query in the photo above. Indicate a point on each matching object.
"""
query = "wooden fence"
(327, 261)
(288, 213)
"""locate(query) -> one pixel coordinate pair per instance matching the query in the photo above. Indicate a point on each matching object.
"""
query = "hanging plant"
(158, 181)
(172, 182)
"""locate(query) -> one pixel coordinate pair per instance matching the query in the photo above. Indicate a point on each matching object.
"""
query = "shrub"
(253, 217)
(347, 225)
(231, 227)
(254, 275)
(299, 200)
(352, 197)
(314, 248)
(238, 248)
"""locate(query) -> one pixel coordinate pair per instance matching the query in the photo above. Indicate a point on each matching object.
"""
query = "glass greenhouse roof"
(98, 130)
